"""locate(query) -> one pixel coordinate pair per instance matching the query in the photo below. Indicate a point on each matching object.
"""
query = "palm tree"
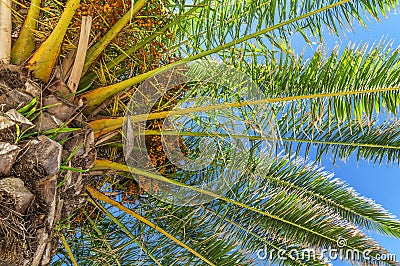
(73, 71)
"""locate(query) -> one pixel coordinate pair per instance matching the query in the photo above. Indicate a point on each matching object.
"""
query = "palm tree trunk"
(34, 193)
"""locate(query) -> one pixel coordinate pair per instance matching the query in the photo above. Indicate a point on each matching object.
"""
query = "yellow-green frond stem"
(89, 78)
(123, 228)
(44, 59)
(103, 126)
(101, 235)
(100, 196)
(99, 47)
(102, 164)
(69, 251)
(96, 97)
(251, 137)
(25, 44)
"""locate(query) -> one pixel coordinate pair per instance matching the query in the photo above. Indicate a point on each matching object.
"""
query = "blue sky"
(388, 29)
(380, 183)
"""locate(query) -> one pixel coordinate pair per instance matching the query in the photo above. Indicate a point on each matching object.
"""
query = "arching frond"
(313, 15)
(310, 218)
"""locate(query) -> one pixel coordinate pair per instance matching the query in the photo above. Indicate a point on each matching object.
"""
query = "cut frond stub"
(5, 31)
(76, 73)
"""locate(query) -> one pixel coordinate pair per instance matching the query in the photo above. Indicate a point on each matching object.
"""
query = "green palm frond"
(230, 20)
(353, 70)
(349, 86)
(160, 33)
(375, 141)
(312, 14)
(329, 104)
(305, 178)
(299, 215)
(133, 242)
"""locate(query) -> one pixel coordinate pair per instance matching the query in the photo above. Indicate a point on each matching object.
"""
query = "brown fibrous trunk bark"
(31, 204)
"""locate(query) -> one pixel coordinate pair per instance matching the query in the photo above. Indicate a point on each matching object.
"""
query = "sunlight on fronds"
(100, 196)
(325, 105)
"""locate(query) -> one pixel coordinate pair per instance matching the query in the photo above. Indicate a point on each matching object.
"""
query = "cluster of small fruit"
(105, 14)
(152, 17)
(129, 189)
(152, 57)
(154, 143)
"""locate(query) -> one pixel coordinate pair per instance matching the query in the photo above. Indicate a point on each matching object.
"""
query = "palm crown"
(91, 61)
